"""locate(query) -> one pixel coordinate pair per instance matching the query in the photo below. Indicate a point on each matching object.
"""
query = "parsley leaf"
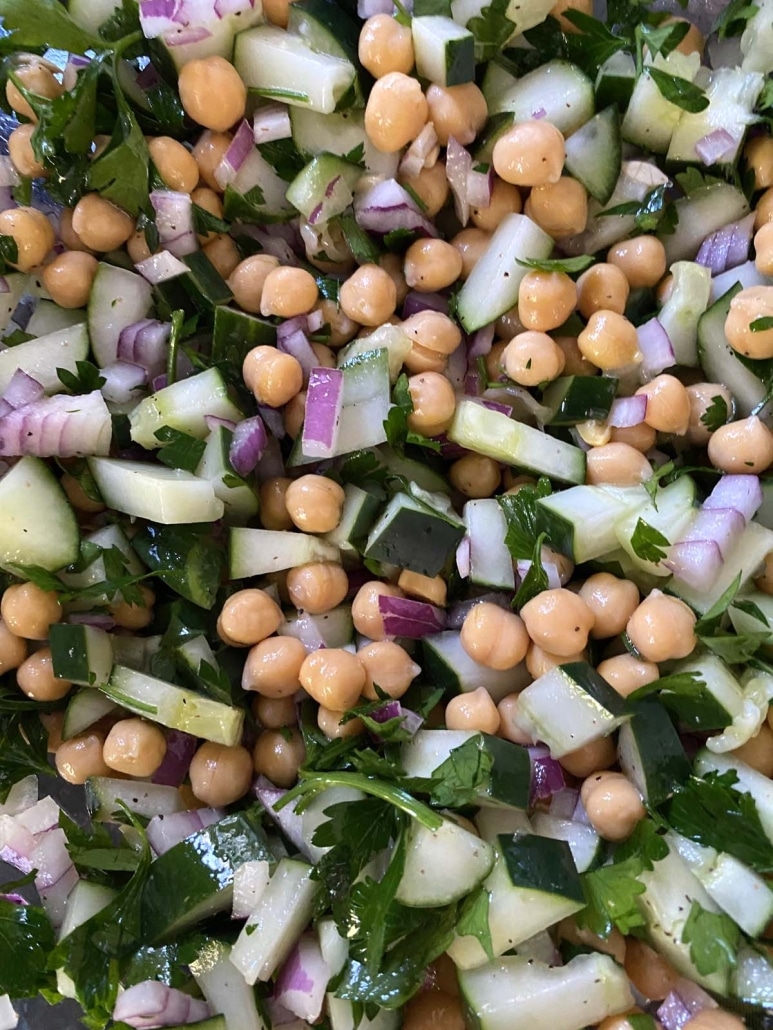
(205, 222)
(661, 39)
(180, 450)
(653, 212)
(678, 91)
(521, 516)
(459, 779)
(26, 938)
(37, 22)
(713, 812)
(761, 325)
(569, 265)
(473, 919)
(733, 18)
(23, 748)
(396, 422)
(611, 894)
(364, 249)
(641, 1021)
(716, 414)
(9, 253)
(536, 579)
(593, 44)
(86, 380)
(185, 557)
(688, 698)
(713, 938)
(648, 543)
(120, 173)
(369, 904)
(491, 29)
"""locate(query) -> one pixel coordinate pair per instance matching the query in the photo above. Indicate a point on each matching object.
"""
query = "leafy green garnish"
(180, 450)
(761, 325)
(491, 29)
(37, 22)
(363, 248)
(9, 253)
(679, 91)
(649, 543)
(459, 779)
(521, 516)
(473, 919)
(733, 17)
(396, 423)
(593, 44)
(85, 380)
(655, 211)
(186, 557)
(660, 39)
(611, 894)
(23, 748)
(713, 939)
(120, 173)
(536, 578)
(716, 414)
(26, 938)
(569, 265)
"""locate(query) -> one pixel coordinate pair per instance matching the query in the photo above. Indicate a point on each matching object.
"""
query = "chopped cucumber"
(154, 492)
(670, 514)
(650, 119)
(584, 843)
(118, 298)
(594, 154)
(84, 708)
(323, 189)
(195, 286)
(465, 859)
(445, 52)
(651, 753)
(81, 654)
(239, 499)
(105, 796)
(84, 901)
(712, 706)
(235, 333)
(741, 563)
(557, 91)
(258, 552)
(341, 133)
(225, 988)
(448, 665)
(490, 562)
(184, 406)
(701, 213)
(41, 357)
(415, 536)
(50, 318)
(580, 522)
(357, 517)
(732, 94)
(749, 782)
(580, 398)
(38, 526)
(681, 313)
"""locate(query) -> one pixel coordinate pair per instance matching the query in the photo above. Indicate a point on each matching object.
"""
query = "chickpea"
(539, 661)
(431, 265)
(758, 751)
(458, 111)
(274, 377)
(509, 725)
(430, 186)
(474, 710)
(612, 601)
(714, 1019)
(53, 723)
(613, 805)
(273, 667)
(746, 307)
(134, 747)
(247, 617)
(275, 712)
(641, 437)
(598, 754)
(574, 363)
(35, 678)
(609, 341)
(36, 76)
(220, 774)
(223, 254)
(602, 287)
(333, 677)
(212, 93)
(434, 403)
(745, 446)
(247, 280)
(294, 414)
(650, 974)
(532, 358)
(365, 610)
(288, 292)
(21, 153)
(558, 9)
(273, 508)
(475, 475)
(209, 151)
(385, 46)
(431, 1010)
(324, 355)
(426, 588)
(668, 404)
(623, 1022)
(626, 673)
(176, 165)
(69, 237)
(505, 200)
(32, 232)
(27, 611)
(559, 208)
(593, 432)
(434, 331)
(369, 296)
(81, 757)
(662, 628)
(101, 225)
(618, 464)
(471, 244)
(530, 154)
(13, 649)
(278, 755)
(134, 616)
(763, 248)
(546, 299)
(758, 155)
(558, 620)
(764, 579)
(207, 200)
(333, 725)
(642, 260)
(389, 665)
(395, 113)
(69, 277)
(342, 329)
(317, 587)
(136, 247)
(494, 637)
(764, 209)
(314, 503)
(614, 944)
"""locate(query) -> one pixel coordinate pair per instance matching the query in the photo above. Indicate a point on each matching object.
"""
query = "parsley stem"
(315, 781)
(127, 41)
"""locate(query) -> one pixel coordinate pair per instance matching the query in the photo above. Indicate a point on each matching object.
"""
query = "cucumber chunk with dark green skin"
(81, 654)
(580, 398)
(414, 536)
(194, 879)
(198, 290)
(541, 864)
(650, 752)
(235, 333)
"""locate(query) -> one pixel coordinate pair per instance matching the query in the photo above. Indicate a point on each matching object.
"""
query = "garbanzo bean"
(603, 287)
(458, 111)
(434, 331)
(599, 754)
(618, 464)
(668, 404)
(642, 437)
(33, 234)
(274, 712)
(626, 673)
(746, 307)
(389, 665)
(433, 1009)
(333, 677)
(35, 677)
(332, 725)
(72, 240)
(248, 278)
(208, 200)
(763, 249)
(475, 475)
(288, 292)
(134, 747)
(134, 616)
(494, 637)
(431, 265)
(613, 805)
(247, 617)
(274, 377)
(574, 363)
(212, 92)
(434, 403)
(558, 620)
(539, 661)
(763, 212)
(641, 259)
(471, 244)
(509, 725)
(612, 602)
(649, 972)
(37, 77)
(385, 46)
(314, 503)
(28, 611)
(136, 247)
(758, 155)
(430, 186)
(13, 649)
(101, 225)
(223, 254)
(546, 299)
(69, 278)
(278, 755)
(662, 628)
(21, 153)
(294, 414)
(273, 508)
(705, 397)
(80, 757)
(558, 10)
(174, 163)
(758, 751)
(209, 151)
(342, 328)
(474, 710)
(714, 1019)
(559, 208)
(395, 113)
(368, 296)
(366, 616)
(532, 357)
(505, 200)
(273, 667)
(220, 774)
(693, 42)
(744, 446)
(609, 340)
(317, 586)
(530, 154)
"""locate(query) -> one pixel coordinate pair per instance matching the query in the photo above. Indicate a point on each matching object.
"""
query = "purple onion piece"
(458, 169)
(386, 207)
(481, 342)
(696, 563)
(303, 979)
(154, 1004)
(416, 301)
(715, 145)
(324, 403)
(655, 346)
(161, 266)
(58, 427)
(174, 221)
(180, 749)
(722, 525)
(248, 444)
(743, 493)
(464, 557)
(412, 721)
(547, 776)
(404, 617)
(271, 123)
(627, 411)
(564, 803)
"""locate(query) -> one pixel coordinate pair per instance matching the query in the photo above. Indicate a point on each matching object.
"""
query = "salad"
(386, 537)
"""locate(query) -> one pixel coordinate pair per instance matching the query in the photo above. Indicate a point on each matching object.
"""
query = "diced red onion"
(164, 831)
(22, 390)
(239, 150)
(8, 174)
(415, 302)
(298, 345)
(180, 749)
(743, 493)
(464, 557)
(185, 36)
(681, 1004)
(547, 776)
(56, 875)
(145, 343)
(161, 266)
(324, 402)
(386, 207)
(287, 819)
(159, 16)
(303, 979)
(579, 815)
(278, 1014)
(22, 795)
(152, 1004)
(404, 617)
(727, 247)
(458, 613)
(422, 153)
(563, 803)
(715, 145)
(480, 186)
(655, 346)
(270, 123)
(627, 411)
(271, 465)
(492, 405)
(412, 721)
(174, 221)
(458, 168)
(472, 384)
(315, 320)
(696, 563)
(722, 525)
(14, 899)
(481, 342)
(215, 422)
(368, 8)
(281, 242)
(518, 402)
(122, 382)
(6, 198)
(40, 817)
(58, 427)
(248, 444)
(99, 619)
(523, 565)
(4, 287)
(159, 382)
